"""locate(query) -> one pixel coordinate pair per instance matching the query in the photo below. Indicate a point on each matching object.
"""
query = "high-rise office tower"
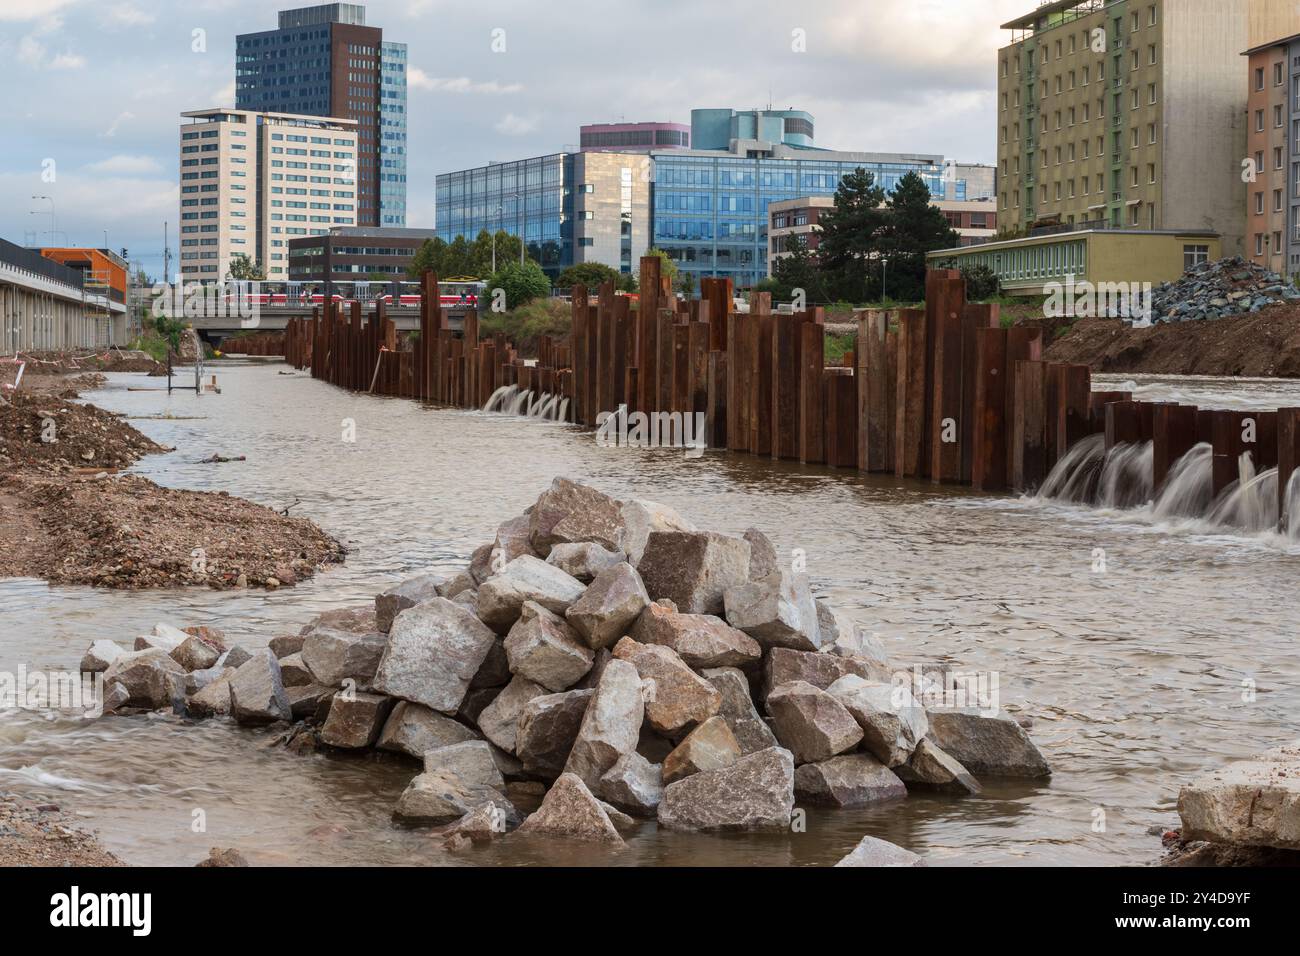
(325, 61)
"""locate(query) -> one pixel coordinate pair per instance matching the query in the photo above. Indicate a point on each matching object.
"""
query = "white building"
(252, 181)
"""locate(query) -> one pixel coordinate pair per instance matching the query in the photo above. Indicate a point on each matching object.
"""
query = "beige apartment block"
(252, 181)
(1126, 114)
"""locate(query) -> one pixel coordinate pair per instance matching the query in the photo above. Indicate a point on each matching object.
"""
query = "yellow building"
(1134, 257)
(1124, 113)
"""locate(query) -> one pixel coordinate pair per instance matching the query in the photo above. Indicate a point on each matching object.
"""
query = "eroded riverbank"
(1133, 678)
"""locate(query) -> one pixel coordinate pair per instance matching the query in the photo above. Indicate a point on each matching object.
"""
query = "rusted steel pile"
(259, 343)
(942, 393)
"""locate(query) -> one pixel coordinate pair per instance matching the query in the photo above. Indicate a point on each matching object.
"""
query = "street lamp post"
(53, 219)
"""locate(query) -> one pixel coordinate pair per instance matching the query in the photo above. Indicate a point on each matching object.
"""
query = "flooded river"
(1136, 676)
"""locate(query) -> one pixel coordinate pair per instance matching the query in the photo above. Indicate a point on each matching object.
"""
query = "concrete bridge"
(215, 327)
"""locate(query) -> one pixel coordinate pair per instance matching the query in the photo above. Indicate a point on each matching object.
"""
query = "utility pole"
(167, 261)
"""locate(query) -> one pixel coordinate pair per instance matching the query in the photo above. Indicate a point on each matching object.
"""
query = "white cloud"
(117, 123)
(418, 79)
(26, 11)
(512, 125)
(124, 165)
(225, 96)
(33, 53)
(127, 15)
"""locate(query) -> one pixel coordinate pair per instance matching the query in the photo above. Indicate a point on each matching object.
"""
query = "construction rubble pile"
(607, 663)
(1216, 290)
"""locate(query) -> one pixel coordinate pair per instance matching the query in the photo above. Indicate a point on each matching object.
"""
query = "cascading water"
(501, 398)
(1251, 503)
(1126, 477)
(509, 400)
(1121, 479)
(1076, 475)
(1188, 490)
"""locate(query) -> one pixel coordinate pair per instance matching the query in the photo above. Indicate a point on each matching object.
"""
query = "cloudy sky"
(92, 88)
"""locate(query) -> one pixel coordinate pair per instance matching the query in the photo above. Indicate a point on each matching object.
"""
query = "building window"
(1259, 78)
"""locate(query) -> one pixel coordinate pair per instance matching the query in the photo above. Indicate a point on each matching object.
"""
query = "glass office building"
(392, 135)
(710, 209)
(529, 197)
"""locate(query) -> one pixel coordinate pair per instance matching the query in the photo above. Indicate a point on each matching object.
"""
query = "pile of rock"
(1214, 290)
(612, 660)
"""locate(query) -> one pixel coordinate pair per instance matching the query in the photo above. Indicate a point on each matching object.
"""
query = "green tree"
(982, 283)
(244, 268)
(686, 283)
(913, 227)
(799, 269)
(589, 274)
(425, 258)
(521, 283)
(851, 234)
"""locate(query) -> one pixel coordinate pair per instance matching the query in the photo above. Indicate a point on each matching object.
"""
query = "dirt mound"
(110, 360)
(40, 432)
(124, 531)
(1263, 344)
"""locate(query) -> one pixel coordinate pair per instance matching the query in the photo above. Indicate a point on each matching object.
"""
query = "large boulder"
(873, 852)
(678, 697)
(256, 692)
(633, 784)
(282, 645)
(777, 611)
(499, 720)
(763, 561)
(441, 796)
(755, 791)
(571, 811)
(849, 780)
(334, 654)
(701, 640)
(501, 598)
(609, 607)
(163, 637)
(354, 720)
(573, 513)
(196, 654)
(810, 723)
(782, 665)
(751, 731)
(584, 561)
(893, 722)
(309, 700)
(470, 760)
(853, 642)
(710, 746)
(546, 730)
(987, 745)
(543, 648)
(294, 672)
(434, 650)
(412, 591)
(512, 541)
(100, 656)
(611, 725)
(1251, 803)
(641, 518)
(151, 678)
(693, 569)
(930, 768)
(414, 729)
(495, 669)
(213, 699)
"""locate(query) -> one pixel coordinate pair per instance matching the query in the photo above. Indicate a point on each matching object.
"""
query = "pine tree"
(913, 228)
(850, 234)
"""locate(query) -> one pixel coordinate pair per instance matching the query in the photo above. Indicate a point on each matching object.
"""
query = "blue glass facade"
(392, 135)
(530, 197)
(710, 211)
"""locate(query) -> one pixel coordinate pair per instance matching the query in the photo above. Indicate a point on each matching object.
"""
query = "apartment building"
(252, 181)
(1124, 114)
(326, 61)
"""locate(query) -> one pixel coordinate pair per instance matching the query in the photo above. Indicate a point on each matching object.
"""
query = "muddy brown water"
(1136, 678)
